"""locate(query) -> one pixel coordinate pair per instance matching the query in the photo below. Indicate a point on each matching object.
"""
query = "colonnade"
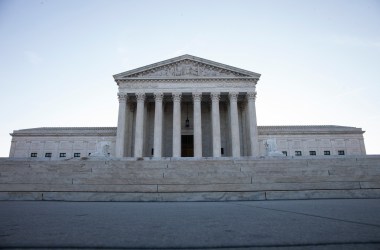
(197, 98)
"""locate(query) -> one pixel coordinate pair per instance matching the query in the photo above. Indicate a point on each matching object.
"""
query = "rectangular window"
(48, 155)
(33, 154)
(298, 153)
(285, 153)
(76, 154)
(62, 154)
(313, 153)
(340, 152)
(326, 152)
(222, 151)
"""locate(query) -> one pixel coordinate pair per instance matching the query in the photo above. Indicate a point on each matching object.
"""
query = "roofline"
(263, 130)
(183, 57)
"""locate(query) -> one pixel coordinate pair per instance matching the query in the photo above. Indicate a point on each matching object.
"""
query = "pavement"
(288, 224)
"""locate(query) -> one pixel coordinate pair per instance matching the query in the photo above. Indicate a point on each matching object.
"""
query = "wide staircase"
(169, 179)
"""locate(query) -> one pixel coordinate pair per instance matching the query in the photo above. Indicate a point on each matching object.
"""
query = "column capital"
(251, 95)
(140, 97)
(197, 96)
(158, 96)
(122, 97)
(215, 96)
(177, 97)
(233, 96)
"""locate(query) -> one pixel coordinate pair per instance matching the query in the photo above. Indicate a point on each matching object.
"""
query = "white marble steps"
(189, 180)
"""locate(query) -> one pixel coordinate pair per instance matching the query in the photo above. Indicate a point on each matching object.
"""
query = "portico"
(156, 101)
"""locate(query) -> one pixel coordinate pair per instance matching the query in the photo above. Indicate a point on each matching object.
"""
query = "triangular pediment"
(187, 66)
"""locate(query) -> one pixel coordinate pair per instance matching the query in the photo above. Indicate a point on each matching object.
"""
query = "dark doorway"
(187, 146)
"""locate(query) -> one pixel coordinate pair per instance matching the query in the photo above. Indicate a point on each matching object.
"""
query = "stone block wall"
(87, 141)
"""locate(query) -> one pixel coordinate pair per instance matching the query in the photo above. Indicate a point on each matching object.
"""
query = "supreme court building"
(187, 107)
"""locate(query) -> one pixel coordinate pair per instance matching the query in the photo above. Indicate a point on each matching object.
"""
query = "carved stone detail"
(251, 95)
(187, 68)
(216, 80)
(197, 97)
(140, 97)
(158, 96)
(233, 96)
(122, 97)
(215, 97)
(177, 97)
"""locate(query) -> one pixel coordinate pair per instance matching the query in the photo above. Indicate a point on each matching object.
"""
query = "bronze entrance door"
(187, 146)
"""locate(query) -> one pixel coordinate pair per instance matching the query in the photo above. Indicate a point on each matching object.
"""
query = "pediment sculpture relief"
(187, 68)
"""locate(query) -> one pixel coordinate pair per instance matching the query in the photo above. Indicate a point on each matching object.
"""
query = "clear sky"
(319, 60)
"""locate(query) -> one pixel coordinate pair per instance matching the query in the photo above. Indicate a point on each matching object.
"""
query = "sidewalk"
(316, 224)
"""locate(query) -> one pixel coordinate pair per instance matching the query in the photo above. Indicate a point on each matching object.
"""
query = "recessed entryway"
(187, 146)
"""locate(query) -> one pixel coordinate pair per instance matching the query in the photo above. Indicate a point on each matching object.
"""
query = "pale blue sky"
(319, 60)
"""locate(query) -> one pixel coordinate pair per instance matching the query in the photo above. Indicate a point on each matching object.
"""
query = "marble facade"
(187, 107)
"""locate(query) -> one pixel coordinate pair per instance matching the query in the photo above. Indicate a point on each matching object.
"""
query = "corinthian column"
(158, 125)
(235, 137)
(253, 134)
(139, 124)
(177, 124)
(216, 145)
(197, 97)
(120, 133)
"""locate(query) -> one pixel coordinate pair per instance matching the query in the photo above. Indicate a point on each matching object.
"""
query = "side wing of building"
(62, 143)
(314, 140)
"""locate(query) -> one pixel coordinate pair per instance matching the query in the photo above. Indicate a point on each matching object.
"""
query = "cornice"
(263, 130)
(189, 79)
(309, 129)
(66, 131)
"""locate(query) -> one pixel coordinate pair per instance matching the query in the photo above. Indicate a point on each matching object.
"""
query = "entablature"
(187, 85)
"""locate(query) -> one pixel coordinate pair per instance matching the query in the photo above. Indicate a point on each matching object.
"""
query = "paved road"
(312, 224)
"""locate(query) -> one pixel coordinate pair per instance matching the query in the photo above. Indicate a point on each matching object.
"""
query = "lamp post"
(187, 122)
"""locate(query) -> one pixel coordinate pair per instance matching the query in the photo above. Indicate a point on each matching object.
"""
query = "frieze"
(139, 86)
